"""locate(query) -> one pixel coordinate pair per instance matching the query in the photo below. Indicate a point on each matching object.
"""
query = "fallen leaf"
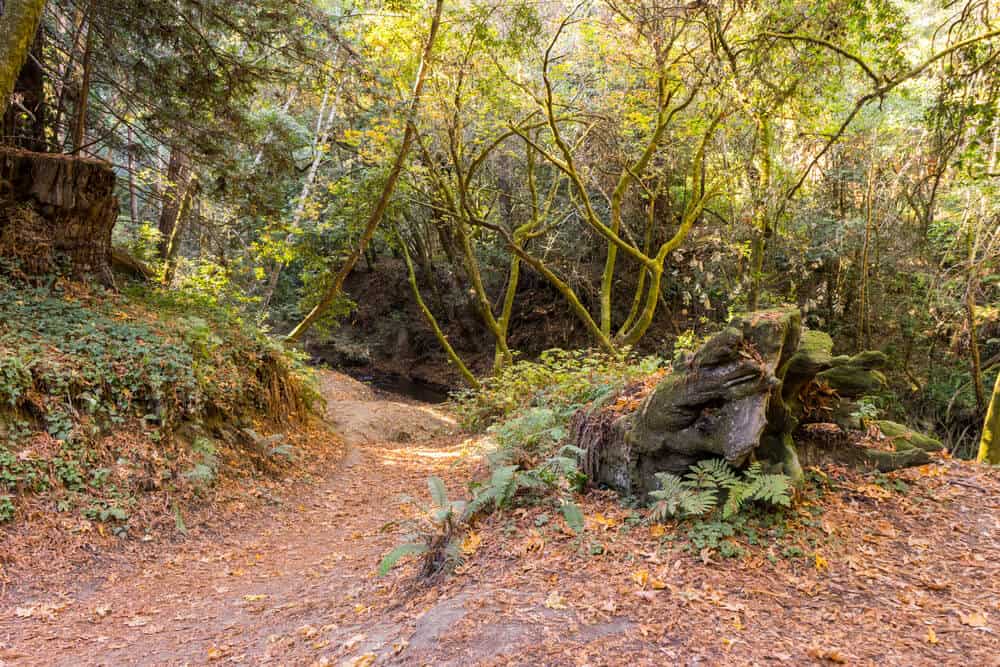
(307, 632)
(976, 619)
(555, 601)
(24, 612)
(215, 653)
(831, 655)
(102, 610)
(137, 622)
(471, 543)
(254, 598)
(641, 578)
(820, 562)
(604, 521)
(363, 660)
(354, 641)
(400, 646)
(931, 636)
(657, 530)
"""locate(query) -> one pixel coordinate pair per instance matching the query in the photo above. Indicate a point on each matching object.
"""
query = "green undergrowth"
(526, 412)
(560, 380)
(106, 394)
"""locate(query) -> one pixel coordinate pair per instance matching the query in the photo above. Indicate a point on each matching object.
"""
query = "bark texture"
(56, 209)
(18, 24)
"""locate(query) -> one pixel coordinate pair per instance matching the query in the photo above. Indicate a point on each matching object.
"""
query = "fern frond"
(574, 517)
(772, 489)
(698, 503)
(438, 493)
(390, 559)
(735, 497)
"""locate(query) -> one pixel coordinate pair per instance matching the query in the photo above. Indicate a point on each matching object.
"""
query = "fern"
(698, 492)
(681, 498)
(574, 517)
(438, 493)
(390, 559)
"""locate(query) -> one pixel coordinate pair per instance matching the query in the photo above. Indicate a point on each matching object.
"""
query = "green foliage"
(436, 536)
(76, 366)
(6, 509)
(560, 382)
(699, 492)
(868, 408)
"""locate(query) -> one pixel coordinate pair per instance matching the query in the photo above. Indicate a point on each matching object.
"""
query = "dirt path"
(288, 591)
(877, 576)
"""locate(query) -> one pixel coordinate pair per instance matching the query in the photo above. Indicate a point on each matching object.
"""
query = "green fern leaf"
(696, 504)
(390, 559)
(438, 493)
(573, 516)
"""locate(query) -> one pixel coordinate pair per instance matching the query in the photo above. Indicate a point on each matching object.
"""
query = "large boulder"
(714, 404)
(744, 394)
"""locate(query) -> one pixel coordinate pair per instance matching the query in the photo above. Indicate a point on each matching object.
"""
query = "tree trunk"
(133, 200)
(863, 270)
(432, 321)
(183, 217)
(387, 190)
(761, 214)
(989, 444)
(18, 25)
(80, 126)
(174, 192)
(323, 123)
(56, 206)
(24, 123)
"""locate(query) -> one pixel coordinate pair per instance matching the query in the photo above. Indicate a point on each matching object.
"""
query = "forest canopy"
(609, 174)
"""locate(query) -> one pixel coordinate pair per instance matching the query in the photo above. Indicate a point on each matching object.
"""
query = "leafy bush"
(714, 480)
(77, 365)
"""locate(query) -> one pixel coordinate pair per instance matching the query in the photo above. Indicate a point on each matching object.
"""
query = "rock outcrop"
(744, 394)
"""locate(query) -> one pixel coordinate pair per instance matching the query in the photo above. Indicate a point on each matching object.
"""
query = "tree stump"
(56, 212)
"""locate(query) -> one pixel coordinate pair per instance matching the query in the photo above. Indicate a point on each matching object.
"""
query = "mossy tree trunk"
(19, 21)
(989, 444)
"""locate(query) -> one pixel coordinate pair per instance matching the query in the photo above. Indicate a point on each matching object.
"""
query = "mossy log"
(56, 212)
(741, 396)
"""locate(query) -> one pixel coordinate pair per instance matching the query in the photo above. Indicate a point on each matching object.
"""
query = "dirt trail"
(871, 576)
(286, 592)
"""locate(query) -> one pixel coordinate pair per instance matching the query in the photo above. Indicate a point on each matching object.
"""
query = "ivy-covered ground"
(124, 414)
(878, 570)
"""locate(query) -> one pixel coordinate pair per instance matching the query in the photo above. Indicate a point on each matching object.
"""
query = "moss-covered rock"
(853, 377)
(717, 405)
(903, 437)
(884, 461)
